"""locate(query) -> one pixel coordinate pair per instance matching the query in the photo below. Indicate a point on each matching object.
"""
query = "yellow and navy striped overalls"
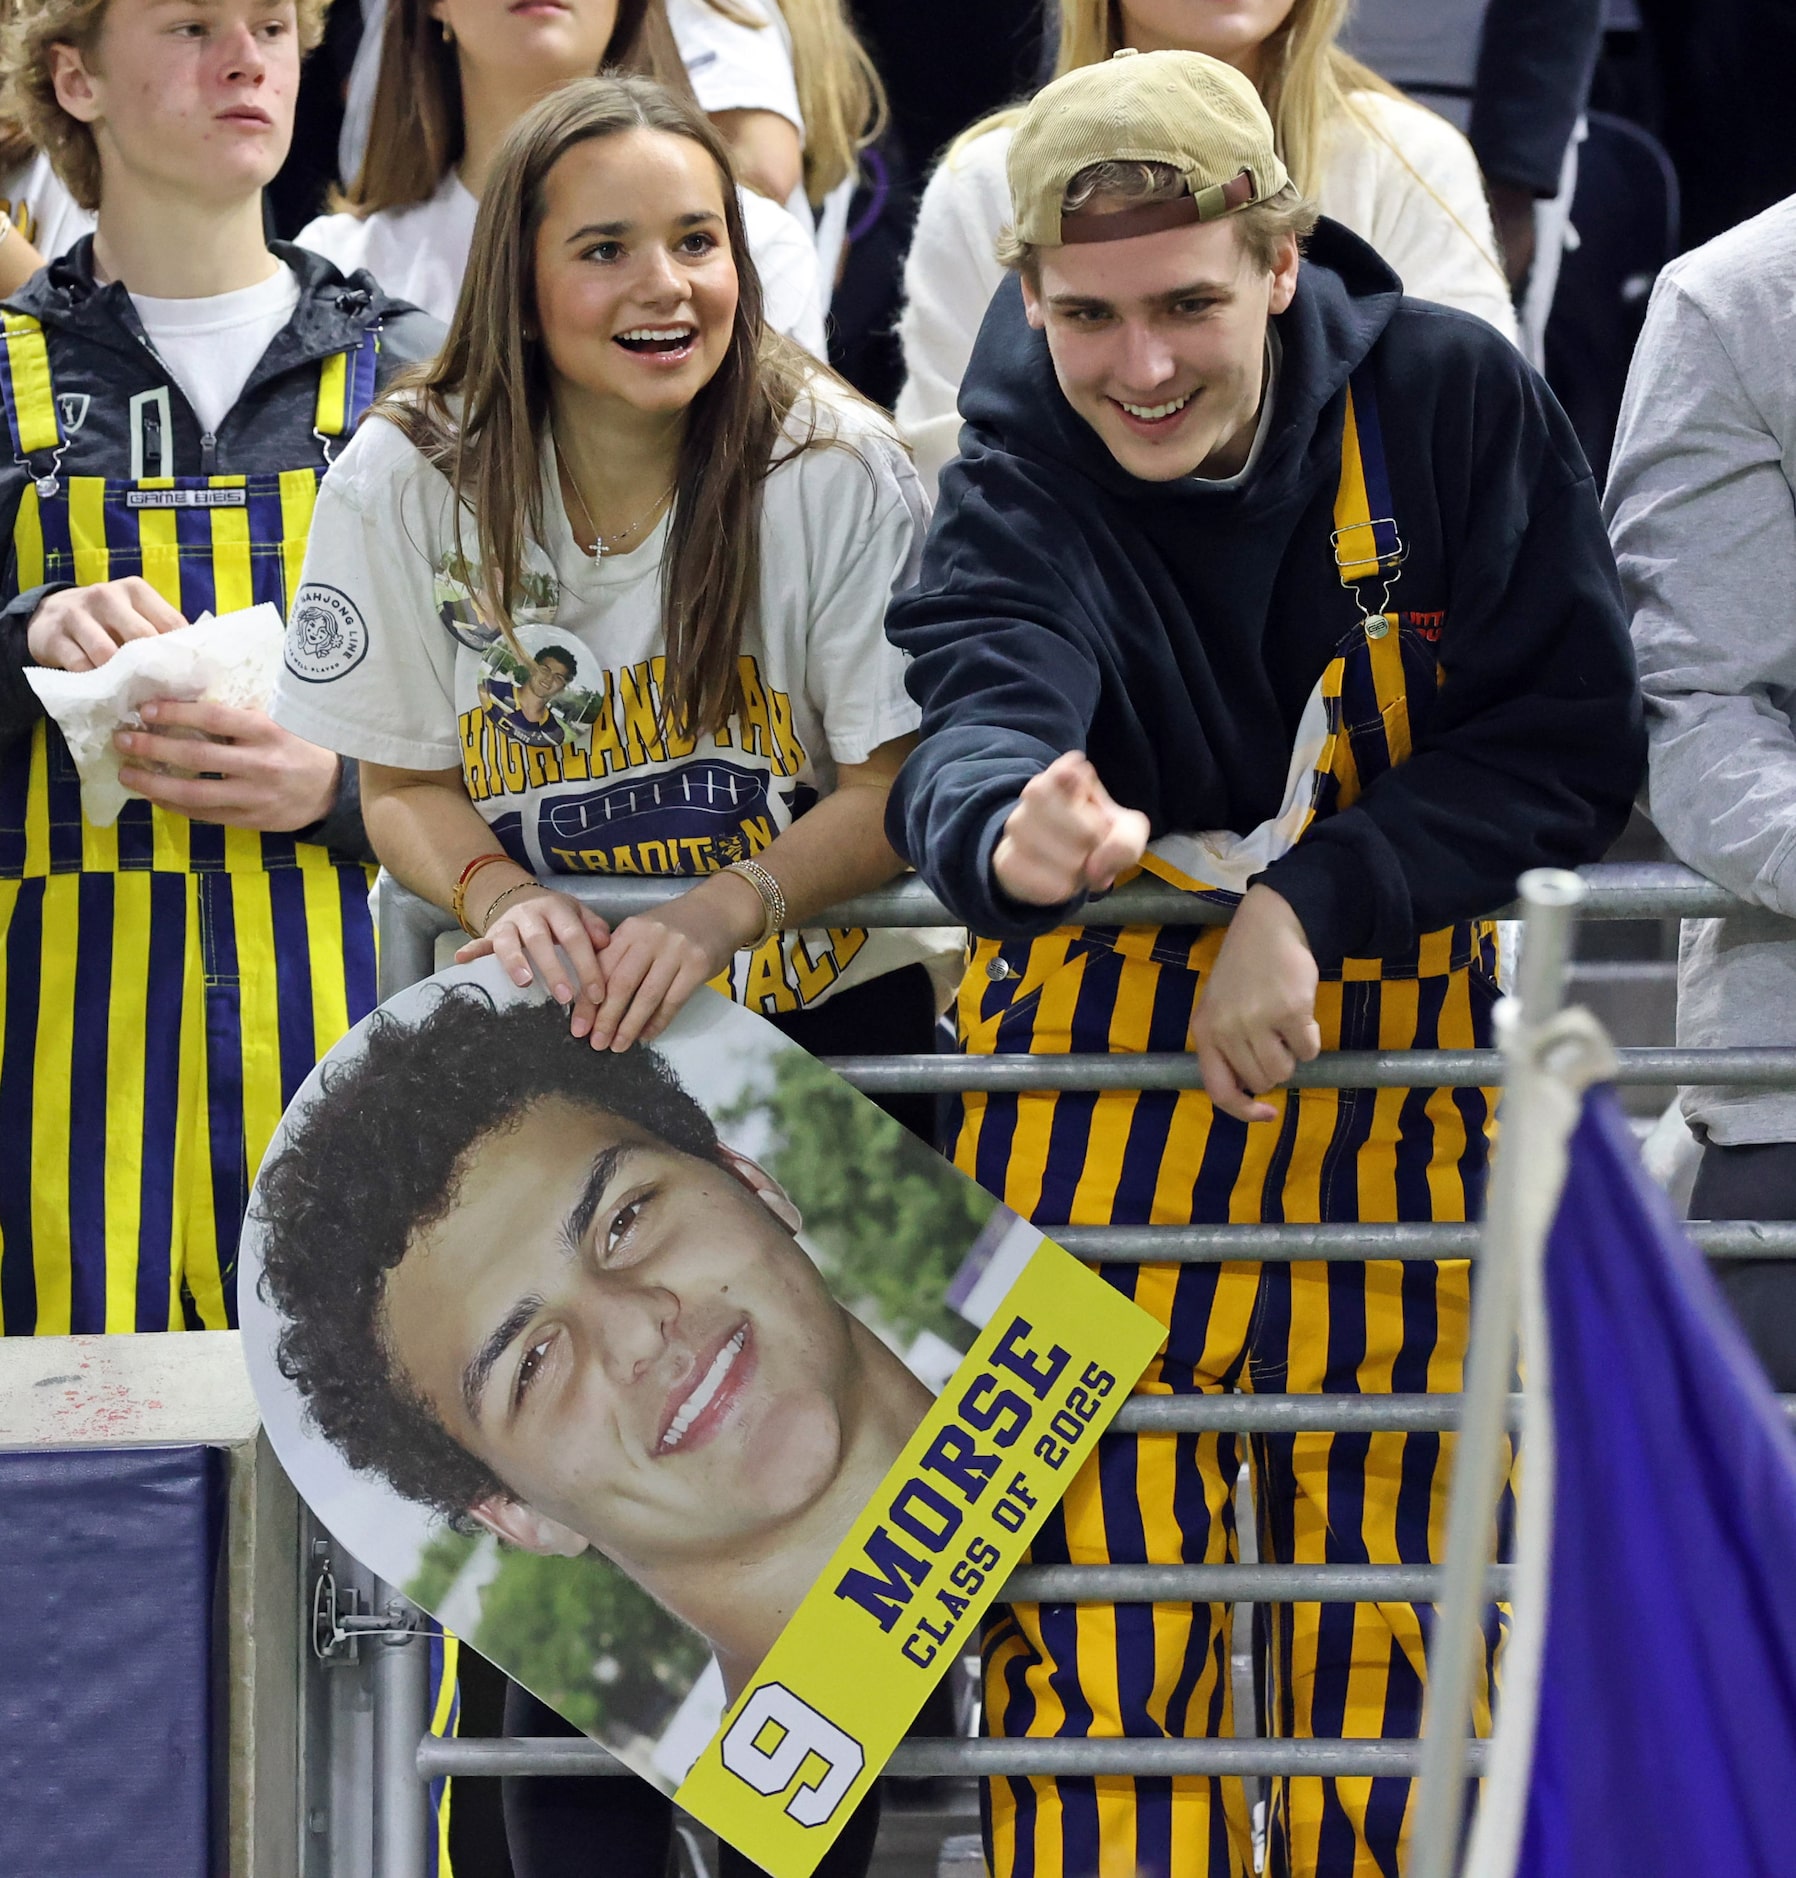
(165, 984)
(1165, 1158)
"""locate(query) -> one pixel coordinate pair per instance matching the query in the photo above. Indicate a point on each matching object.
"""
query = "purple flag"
(1664, 1743)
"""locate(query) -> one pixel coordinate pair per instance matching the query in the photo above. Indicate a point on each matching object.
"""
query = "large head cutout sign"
(680, 1382)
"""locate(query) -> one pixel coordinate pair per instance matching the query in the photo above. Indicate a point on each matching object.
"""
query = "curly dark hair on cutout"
(376, 1161)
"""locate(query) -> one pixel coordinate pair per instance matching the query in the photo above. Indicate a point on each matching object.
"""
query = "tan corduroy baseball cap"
(1199, 116)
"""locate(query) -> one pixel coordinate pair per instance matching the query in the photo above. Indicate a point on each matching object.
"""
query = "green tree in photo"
(892, 1220)
(439, 1567)
(578, 1632)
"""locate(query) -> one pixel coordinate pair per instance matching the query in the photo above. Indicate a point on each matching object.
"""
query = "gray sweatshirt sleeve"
(1703, 524)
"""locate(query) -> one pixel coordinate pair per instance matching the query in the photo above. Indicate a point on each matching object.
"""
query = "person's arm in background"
(739, 64)
(19, 260)
(1535, 63)
(950, 276)
(1701, 514)
(768, 153)
(785, 257)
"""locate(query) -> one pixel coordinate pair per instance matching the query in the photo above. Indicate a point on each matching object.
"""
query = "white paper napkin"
(231, 659)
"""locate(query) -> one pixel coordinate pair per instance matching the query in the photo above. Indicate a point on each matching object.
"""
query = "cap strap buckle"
(1225, 198)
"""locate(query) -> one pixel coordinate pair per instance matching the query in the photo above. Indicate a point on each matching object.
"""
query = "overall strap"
(1373, 703)
(30, 399)
(1367, 544)
(346, 388)
(1356, 723)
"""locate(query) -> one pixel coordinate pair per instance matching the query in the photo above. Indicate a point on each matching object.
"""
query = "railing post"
(1550, 899)
(402, 1820)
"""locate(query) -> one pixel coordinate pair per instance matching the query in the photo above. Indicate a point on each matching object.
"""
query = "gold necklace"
(603, 545)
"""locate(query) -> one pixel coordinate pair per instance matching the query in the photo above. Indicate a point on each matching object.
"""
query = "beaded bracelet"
(458, 900)
(773, 898)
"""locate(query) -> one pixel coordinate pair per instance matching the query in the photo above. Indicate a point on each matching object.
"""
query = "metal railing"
(410, 928)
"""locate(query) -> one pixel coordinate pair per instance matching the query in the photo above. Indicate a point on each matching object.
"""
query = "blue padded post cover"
(107, 1565)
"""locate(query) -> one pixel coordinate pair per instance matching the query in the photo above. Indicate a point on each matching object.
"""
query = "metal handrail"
(1232, 1584)
(1636, 890)
(410, 925)
(445, 1757)
(1334, 1069)
(1226, 1245)
(1236, 1413)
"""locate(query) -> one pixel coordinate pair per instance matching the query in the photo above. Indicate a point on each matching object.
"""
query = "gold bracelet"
(773, 898)
(498, 900)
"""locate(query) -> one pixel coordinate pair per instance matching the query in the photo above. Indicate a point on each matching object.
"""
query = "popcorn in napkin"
(232, 658)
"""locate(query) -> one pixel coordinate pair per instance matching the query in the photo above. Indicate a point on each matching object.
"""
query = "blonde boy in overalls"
(1294, 593)
(173, 389)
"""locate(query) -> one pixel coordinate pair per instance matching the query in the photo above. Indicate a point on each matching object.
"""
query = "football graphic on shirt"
(704, 806)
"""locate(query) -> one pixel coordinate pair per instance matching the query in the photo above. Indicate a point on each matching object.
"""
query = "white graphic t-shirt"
(567, 756)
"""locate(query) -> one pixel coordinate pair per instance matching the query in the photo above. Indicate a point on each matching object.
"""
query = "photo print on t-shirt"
(455, 584)
(539, 700)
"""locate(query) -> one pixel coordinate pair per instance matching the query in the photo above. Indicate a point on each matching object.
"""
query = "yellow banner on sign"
(903, 1595)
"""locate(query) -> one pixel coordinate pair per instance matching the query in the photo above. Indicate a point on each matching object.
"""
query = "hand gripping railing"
(410, 928)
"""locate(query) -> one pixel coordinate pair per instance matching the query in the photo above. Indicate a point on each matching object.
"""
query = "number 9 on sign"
(770, 1741)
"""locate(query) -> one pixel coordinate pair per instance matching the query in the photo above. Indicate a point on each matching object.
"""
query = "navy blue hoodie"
(1174, 631)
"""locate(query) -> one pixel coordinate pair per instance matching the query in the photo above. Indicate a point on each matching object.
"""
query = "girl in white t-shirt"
(797, 98)
(455, 75)
(643, 452)
(602, 590)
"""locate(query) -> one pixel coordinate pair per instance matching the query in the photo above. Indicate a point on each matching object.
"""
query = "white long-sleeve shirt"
(1398, 176)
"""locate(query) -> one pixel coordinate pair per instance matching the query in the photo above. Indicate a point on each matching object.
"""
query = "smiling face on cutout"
(636, 286)
(630, 1337)
(1159, 342)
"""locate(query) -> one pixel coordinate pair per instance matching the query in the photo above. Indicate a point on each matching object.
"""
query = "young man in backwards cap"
(1295, 593)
